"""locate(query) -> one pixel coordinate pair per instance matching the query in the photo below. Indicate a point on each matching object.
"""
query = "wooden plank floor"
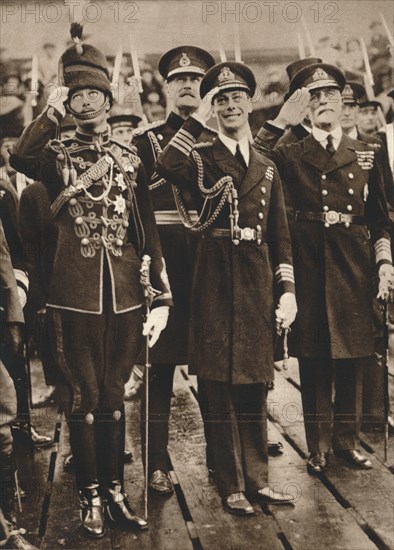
(343, 510)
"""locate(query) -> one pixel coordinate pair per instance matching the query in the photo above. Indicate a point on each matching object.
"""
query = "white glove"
(286, 311)
(294, 109)
(155, 323)
(386, 281)
(22, 296)
(57, 98)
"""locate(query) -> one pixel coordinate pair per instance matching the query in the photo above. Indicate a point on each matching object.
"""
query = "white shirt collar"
(232, 145)
(309, 130)
(353, 133)
(321, 136)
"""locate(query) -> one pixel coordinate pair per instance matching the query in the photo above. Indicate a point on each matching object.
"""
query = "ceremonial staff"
(137, 75)
(369, 80)
(149, 293)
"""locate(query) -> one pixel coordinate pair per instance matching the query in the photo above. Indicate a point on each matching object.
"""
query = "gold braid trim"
(224, 186)
(156, 151)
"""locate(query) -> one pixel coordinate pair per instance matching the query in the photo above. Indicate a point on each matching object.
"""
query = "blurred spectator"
(352, 59)
(379, 43)
(48, 63)
(152, 89)
(368, 117)
(123, 121)
(154, 111)
(326, 51)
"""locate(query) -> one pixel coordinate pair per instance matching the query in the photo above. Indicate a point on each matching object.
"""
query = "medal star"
(120, 181)
(119, 204)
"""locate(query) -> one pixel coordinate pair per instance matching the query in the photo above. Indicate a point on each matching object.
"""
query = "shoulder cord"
(223, 186)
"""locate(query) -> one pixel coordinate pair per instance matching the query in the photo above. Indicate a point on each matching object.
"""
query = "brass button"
(160, 137)
(262, 202)
(261, 215)
(347, 224)
(326, 225)
(79, 220)
(323, 177)
(263, 190)
(119, 242)
(73, 201)
(351, 175)
(85, 241)
(325, 208)
(324, 192)
(349, 207)
(351, 191)
(125, 223)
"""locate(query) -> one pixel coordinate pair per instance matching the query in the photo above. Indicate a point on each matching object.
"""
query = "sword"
(386, 372)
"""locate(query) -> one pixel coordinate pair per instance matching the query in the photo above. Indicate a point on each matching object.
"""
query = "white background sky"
(159, 25)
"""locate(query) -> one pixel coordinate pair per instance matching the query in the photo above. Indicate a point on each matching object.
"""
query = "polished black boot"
(119, 510)
(92, 512)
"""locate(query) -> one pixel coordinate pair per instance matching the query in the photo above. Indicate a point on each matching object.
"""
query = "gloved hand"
(134, 384)
(22, 296)
(386, 281)
(57, 98)
(286, 311)
(294, 109)
(155, 323)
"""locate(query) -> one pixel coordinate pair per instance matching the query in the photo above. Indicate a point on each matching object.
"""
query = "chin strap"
(87, 116)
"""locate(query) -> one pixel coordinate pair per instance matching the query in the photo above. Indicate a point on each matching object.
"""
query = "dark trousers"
(237, 417)
(331, 422)
(161, 378)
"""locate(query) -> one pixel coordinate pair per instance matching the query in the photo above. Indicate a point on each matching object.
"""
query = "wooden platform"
(342, 510)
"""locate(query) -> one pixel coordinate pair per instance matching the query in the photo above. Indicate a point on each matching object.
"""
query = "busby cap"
(185, 60)
(316, 76)
(120, 117)
(228, 76)
(83, 65)
(352, 93)
(299, 64)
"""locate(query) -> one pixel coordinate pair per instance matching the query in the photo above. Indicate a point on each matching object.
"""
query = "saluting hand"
(57, 99)
(294, 109)
(204, 112)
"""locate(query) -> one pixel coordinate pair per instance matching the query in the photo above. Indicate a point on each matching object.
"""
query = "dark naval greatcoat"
(177, 243)
(333, 262)
(232, 326)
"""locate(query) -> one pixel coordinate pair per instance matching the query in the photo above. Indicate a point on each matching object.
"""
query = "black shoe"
(355, 458)
(238, 505)
(29, 433)
(269, 496)
(275, 449)
(317, 463)
(160, 482)
(120, 511)
(92, 513)
(68, 464)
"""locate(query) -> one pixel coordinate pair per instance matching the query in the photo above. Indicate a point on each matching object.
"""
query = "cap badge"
(319, 74)
(184, 60)
(347, 90)
(226, 74)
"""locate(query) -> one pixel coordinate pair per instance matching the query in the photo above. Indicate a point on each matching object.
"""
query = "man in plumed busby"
(243, 253)
(101, 203)
(338, 219)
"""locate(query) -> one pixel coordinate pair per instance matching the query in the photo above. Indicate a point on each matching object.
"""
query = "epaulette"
(203, 144)
(129, 148)
(142, 129)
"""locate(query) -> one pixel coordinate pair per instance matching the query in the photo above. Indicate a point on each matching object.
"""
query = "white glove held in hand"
(22, 296)
(286, 311)
(386, 281)
(155, 323)
(57, 98)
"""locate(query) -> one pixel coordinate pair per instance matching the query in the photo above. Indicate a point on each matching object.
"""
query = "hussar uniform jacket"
(177, 243)
(104, 214)
(333, 262)
(232, 326)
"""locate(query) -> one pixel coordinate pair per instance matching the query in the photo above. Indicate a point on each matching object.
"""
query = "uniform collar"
(102, 137)
(232, 145)
(175, 121)
(321, 136)
(353, 133)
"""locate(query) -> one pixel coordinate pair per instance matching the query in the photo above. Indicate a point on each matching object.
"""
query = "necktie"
(330, 146)
(239, 156)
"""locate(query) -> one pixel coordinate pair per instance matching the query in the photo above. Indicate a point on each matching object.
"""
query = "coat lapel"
(227, 162)
(316, 155)
(345, 154)
(255, 173)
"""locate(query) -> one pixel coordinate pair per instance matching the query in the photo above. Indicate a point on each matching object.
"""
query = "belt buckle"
(331, 217)
(248, 234)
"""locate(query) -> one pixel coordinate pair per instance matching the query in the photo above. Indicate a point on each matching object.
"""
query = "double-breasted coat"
(232, 325)
(333, 264)
(177, 243)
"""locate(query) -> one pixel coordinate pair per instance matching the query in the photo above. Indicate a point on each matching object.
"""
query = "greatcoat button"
(85, 241)
(323, 177)
(350, 175)
(351, 191)
(324, 192)
(325, 208)
(263, 190)
(261, 215)
(262, 202)
(349, 207)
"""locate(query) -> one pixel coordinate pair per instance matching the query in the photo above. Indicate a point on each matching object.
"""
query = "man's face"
(122, 134)
(325, 106)
(368, 119)
(89, 100)
(349, 116)
(184, 91)
(232, 110)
